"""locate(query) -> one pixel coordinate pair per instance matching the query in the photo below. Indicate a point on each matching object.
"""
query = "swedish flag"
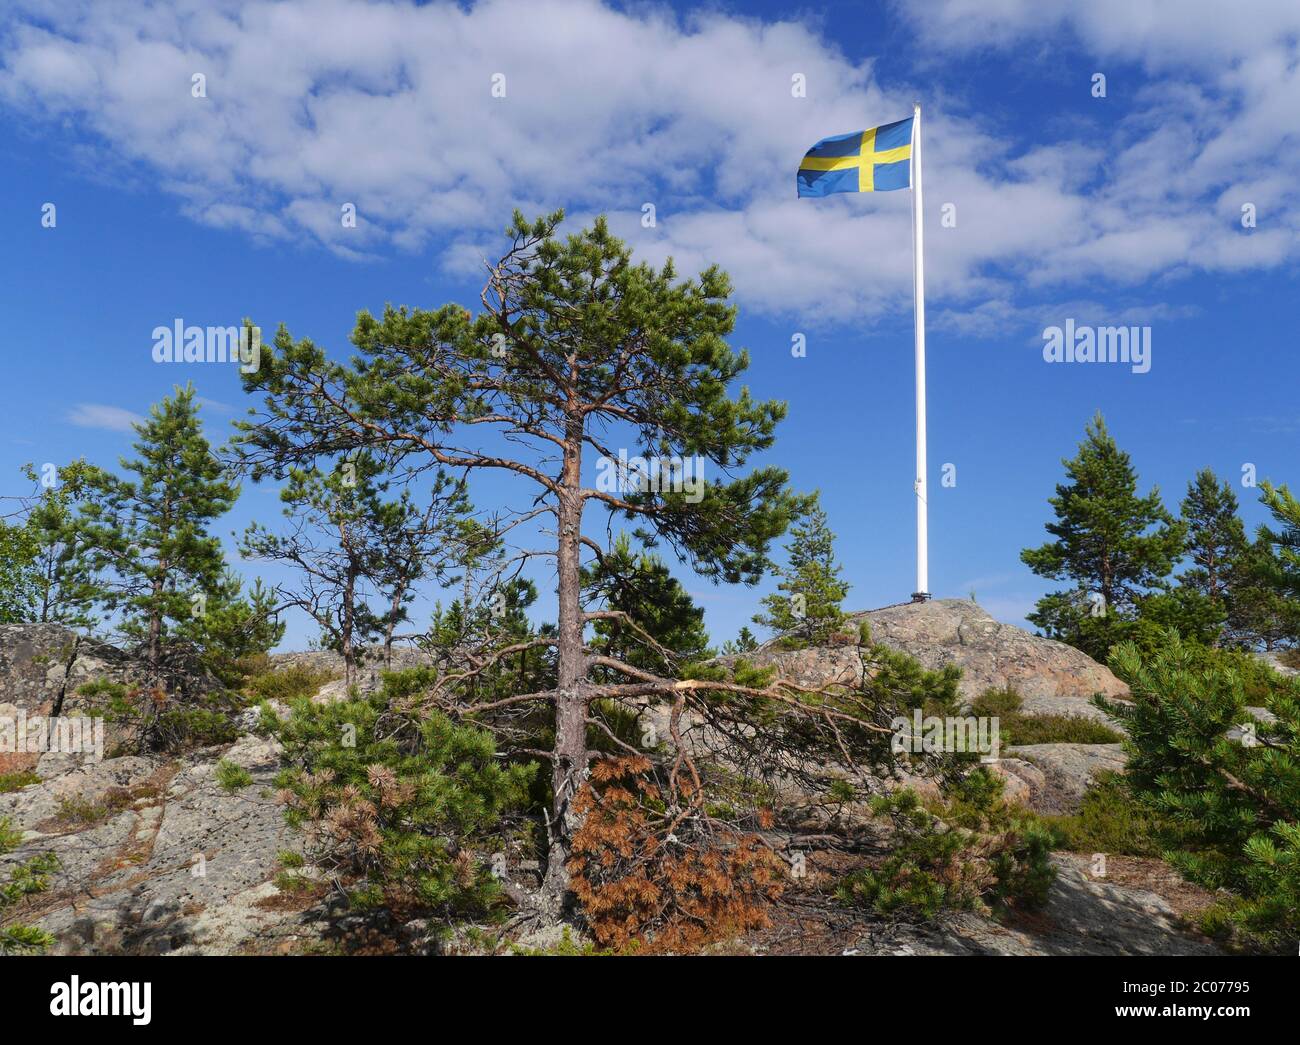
(874, 160)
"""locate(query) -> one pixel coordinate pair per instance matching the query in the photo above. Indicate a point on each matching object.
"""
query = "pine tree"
(1265, 610)
(1216, 537)
(1105, 543)
(1261, 614)
(147, 537)
(61, 578)
(352, 543)
(1227, 798)
(230, 627)
(744, 642)
(18, 575)
(1198, 608)
(477, 629)
(423, 544)
(806, 606)
(1196, 617)
(407, 813)
(22, 878)
(668, 632)
(1285, 540)
(577, 353)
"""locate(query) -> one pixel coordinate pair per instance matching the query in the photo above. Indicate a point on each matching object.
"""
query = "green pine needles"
(969, 852)
(805, 610)
(25, 879)
(153, 555)
(1119, 551)
(1115, 545)
(403, 810)
(1227, 797)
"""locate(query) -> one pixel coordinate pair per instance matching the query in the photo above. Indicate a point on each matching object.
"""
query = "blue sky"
(1123, 209)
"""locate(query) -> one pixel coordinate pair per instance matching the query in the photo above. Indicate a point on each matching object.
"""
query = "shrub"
(399, 805)
(1110, 820)
(971, 851)
(905, 681)
(1015, 727)
(231, 777)
(84, 811)
(999, 703)
(10, 837)
(17, 939)
(1059, 729)
(31, 876)
(186, 728)
(151, 719)
(657, 872)
(81, 811)
(931, 870)
(17, 781)
(291, 882)
(288, 683)
(1022, 871)
(1229, 809)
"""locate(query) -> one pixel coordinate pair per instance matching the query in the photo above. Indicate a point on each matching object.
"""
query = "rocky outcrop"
(155, 856)
(1053, 678)
(42, 666)
(1274, 660)
(1053, 778)
(1083, 915)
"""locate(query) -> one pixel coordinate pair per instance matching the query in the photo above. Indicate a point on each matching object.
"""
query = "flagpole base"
(920, 596)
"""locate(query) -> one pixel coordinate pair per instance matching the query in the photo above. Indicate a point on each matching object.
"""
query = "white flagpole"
(918, 292)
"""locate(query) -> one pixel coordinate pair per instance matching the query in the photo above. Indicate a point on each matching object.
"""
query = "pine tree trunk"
(570, 750)
(159, 583)
(394, 608)
(347, 614)
(155, 620)
(48, 587)
(345, 629)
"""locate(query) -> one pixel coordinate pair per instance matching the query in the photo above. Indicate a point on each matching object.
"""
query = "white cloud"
(99, 415)
(215, 405)
(1162, 33)
(315, 103)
